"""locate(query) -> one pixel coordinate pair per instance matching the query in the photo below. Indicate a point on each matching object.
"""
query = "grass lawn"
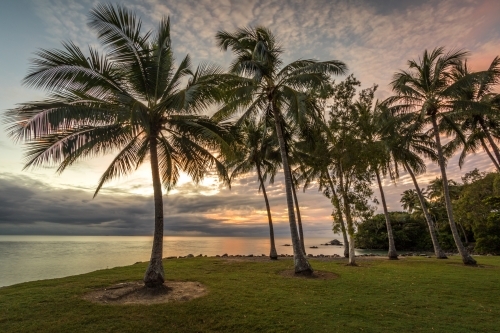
(408, 295)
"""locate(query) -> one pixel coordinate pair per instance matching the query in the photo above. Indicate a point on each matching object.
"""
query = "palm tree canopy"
(476, 105)
(427, 83)
(255, 147)
(123, 100)
(428, 87)
(263, 79)
(405, 138)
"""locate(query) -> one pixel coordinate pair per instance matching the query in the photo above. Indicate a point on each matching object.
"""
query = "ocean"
(31, 258)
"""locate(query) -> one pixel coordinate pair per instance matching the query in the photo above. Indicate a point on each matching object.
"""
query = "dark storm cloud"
(29, 206)
(26, 203)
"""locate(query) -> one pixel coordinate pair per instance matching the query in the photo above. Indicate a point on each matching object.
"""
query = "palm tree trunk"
(463, 231)
(466, 257)
(437, 248)
(350, 224)
(336, 203)
(392, 254)
(485, 147)
(299, 219)
(273, 255)
(155, 275)
(300, 261)
(490, 140)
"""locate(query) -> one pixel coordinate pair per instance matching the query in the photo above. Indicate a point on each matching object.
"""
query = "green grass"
(408, 295)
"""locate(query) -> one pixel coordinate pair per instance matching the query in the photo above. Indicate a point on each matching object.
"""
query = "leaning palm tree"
(129, 101)
(427, 89)
(369, 124)
(316, 156)
(256, 149)
(272, 90)
(406, 142)
(295, 162)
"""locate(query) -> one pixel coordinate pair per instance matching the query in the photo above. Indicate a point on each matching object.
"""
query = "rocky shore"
(225, 255)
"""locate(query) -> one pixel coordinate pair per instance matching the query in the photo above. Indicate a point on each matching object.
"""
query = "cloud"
(29, 206)
(66, 20)
(375, 39)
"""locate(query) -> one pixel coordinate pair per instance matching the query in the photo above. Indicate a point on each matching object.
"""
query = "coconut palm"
(295, 185)
(369, 126)
(130, 101)
(478, 110)
(257, 150)
(427, 89)
(406, 142)
(289, 133)
(272, 90)
(410, 201)
(317, 155)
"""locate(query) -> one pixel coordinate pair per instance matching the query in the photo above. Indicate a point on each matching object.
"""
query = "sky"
(374, 38)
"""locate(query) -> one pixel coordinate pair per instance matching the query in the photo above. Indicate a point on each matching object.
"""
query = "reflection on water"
(29, 258)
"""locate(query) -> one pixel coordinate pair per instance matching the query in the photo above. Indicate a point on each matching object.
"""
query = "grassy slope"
(409, 295)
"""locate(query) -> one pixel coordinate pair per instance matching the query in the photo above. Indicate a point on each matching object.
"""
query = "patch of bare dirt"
(319, 275)
(136, 293)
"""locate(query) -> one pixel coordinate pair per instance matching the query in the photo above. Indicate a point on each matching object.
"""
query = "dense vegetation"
(133, 101)
(475, 202)
(410, 232)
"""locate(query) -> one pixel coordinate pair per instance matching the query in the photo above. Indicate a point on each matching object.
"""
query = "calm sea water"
(30, 258)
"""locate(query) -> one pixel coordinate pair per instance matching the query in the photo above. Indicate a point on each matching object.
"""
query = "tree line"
(270, 117)
(474, 201)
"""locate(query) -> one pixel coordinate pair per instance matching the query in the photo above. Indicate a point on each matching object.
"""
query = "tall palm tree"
(369, 124)
(256, 149)
(276, 91)
(427, 88)
(316, 155)
(130, 100)
(406, 142)
(295, 160)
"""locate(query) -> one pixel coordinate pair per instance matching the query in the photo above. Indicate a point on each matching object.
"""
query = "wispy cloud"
(373, 42)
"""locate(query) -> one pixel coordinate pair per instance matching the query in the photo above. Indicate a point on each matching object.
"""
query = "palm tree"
(257, 149)
(369, 124)
(427, 88)
(268, 88)
(410, 201)
(316, 155)
(478, 109)
(130, 101)
(295, 185)
(406, 142)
